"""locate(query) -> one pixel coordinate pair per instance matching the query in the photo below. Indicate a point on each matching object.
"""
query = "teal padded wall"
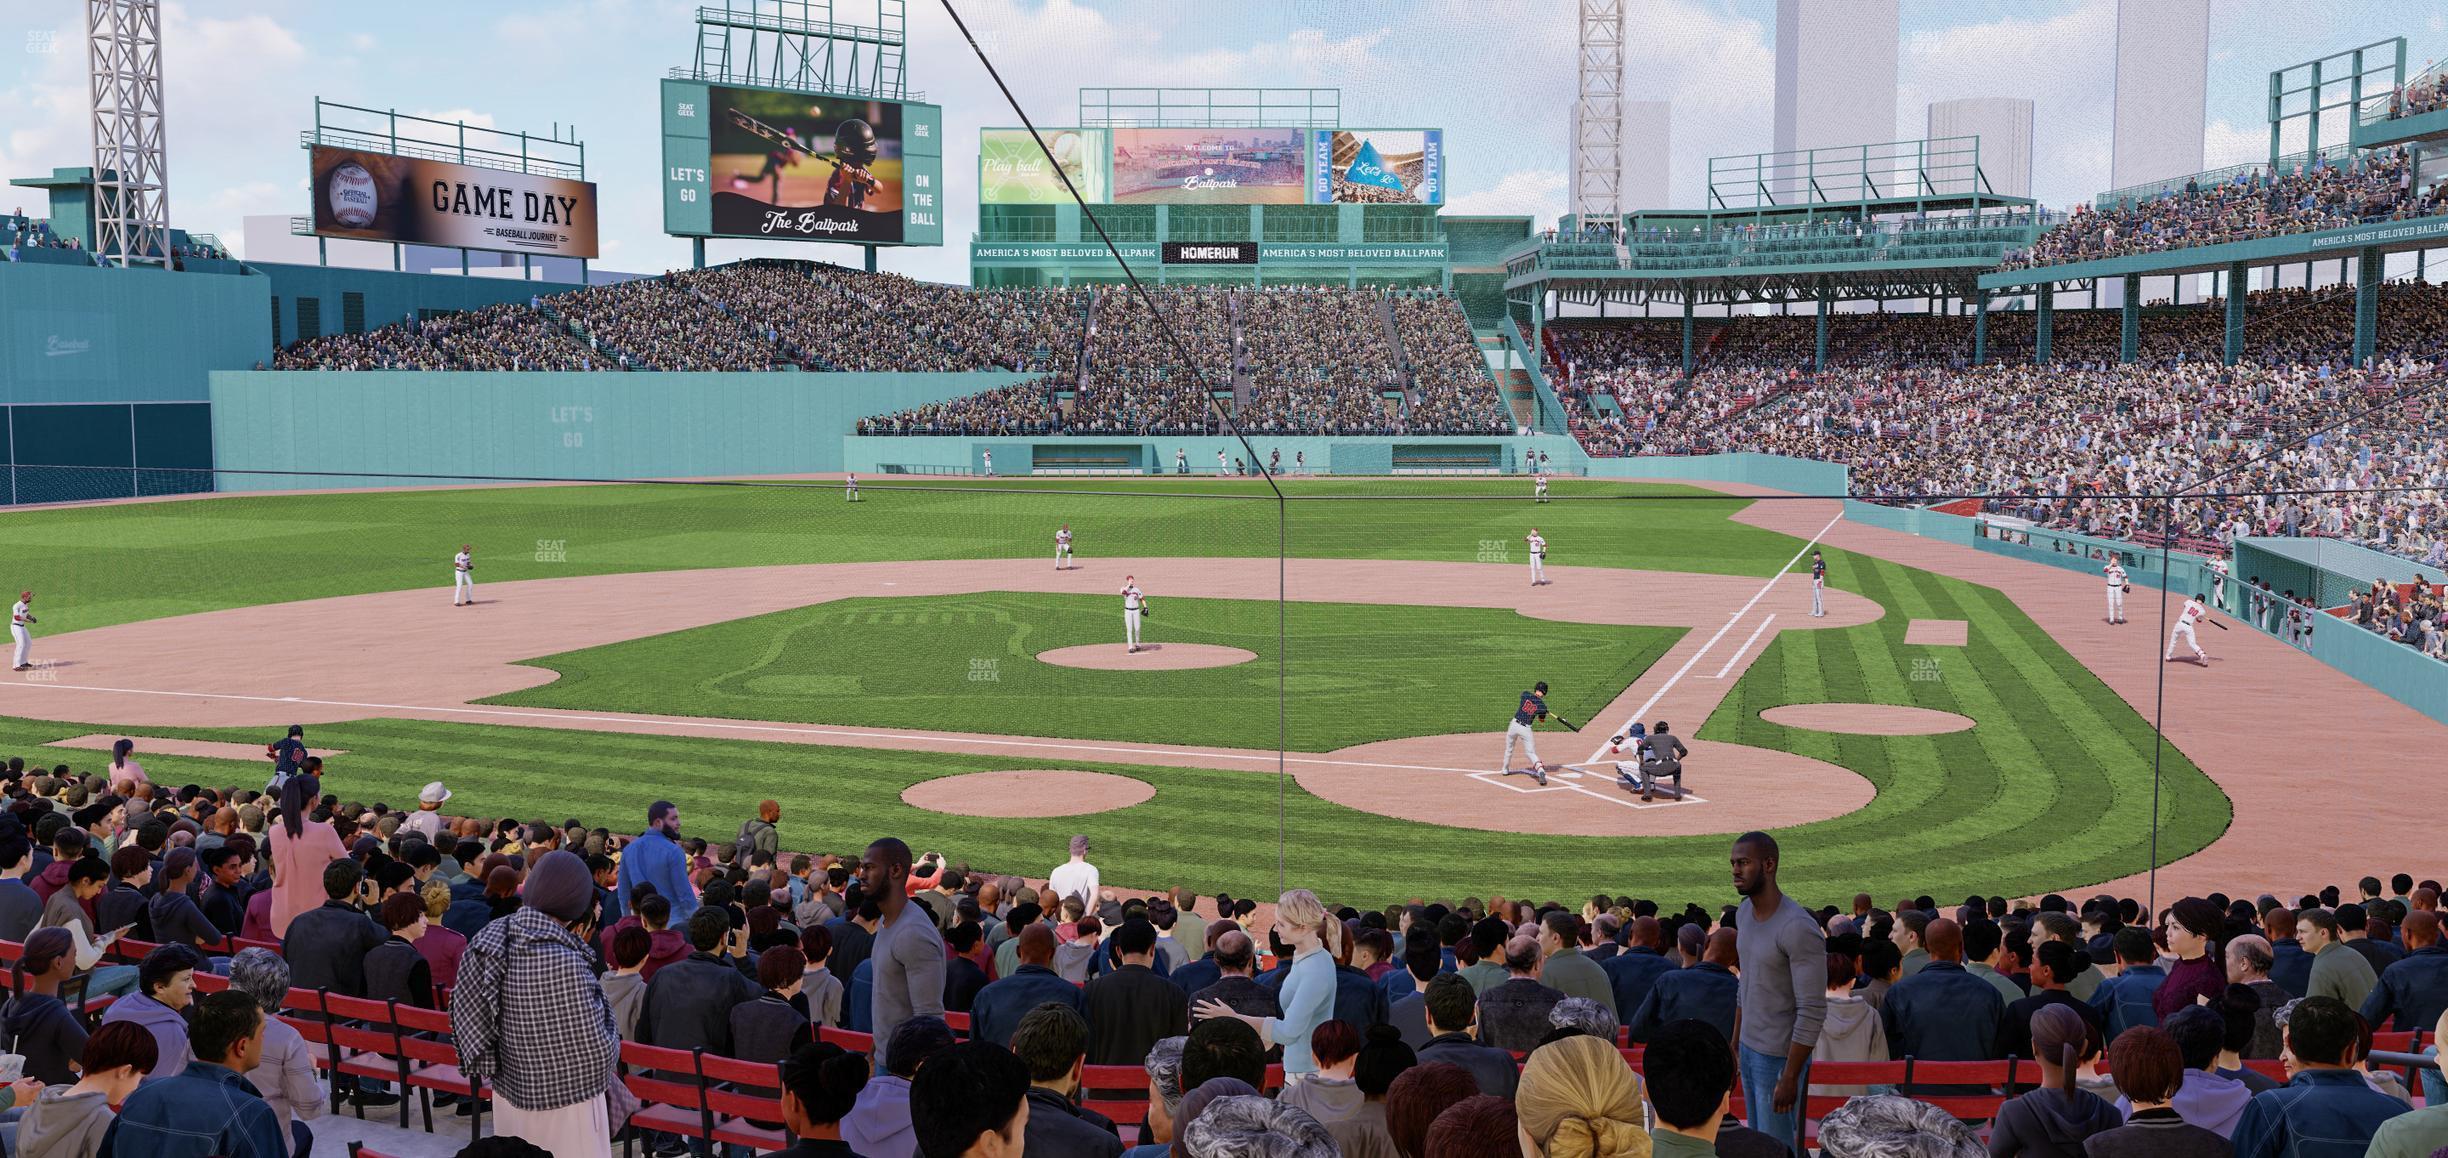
(83, 334)
(389, 297)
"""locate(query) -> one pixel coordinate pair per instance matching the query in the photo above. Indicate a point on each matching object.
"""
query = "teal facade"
(1154, 454)
(80, 334)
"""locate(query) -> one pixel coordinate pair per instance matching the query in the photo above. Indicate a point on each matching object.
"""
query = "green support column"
(2045, 306)
(2368, 267)
(1819, 337)
(2239, 279)
(1980, 329)
(1687, 334)
(2130, 346)
(871, 259)
(696, 253)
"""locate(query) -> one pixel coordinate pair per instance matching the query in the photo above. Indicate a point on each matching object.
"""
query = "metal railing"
(434, 151)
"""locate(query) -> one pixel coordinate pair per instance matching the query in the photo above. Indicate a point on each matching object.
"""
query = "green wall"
(931, 454)
(388, 297)
(77, 334)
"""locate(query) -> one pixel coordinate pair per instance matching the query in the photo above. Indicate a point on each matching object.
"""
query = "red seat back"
(1118, 1092)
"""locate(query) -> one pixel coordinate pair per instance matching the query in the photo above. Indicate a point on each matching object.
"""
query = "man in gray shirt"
(1783, 991)
(908, 950)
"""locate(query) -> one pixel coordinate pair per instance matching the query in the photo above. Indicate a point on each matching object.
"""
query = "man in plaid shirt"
(530, 1015)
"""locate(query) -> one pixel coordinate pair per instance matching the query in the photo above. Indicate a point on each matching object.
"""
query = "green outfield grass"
(1353, 673)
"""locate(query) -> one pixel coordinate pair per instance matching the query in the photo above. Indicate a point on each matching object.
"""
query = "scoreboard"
(783, 165)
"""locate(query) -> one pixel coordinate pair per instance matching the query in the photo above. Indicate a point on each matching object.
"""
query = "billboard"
(768, 163)
(375, 196)
(1012, 169)
(1377, 166)
(1208, 166)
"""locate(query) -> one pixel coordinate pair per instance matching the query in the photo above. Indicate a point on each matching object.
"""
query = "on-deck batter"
(463, 576)
(2185, 619)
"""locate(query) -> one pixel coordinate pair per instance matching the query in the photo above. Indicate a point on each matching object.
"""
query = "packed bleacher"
(166, 942)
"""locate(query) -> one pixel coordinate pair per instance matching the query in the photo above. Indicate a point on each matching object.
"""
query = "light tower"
(130, 153)
(1597, 171)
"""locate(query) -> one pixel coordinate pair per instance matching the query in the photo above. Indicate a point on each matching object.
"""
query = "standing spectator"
(2193, 930)
(973, 1101)
(1132, 1007)
(2326, 1108)
(70, 1121)
(530, 1017)
(758, 834)
(301, 847)
(165, 986)
(1578, 1096)
(881, 1122)
(285, 1074)
(427, 819)
(2151, 1073)
(394, 970)
(1707, 991)
(2290, 962)
(1943, 1013)
(1513, 1016)
(909, 949)
(1308, 991)
(125, 772)
(1782, 990)
(38, 1025)
(2131, 997)
(1052, 1042)
(2337, 971)
(655, 858)
(2054, 1120)
(209, 1110)
(1076, 878)
(2415, 988)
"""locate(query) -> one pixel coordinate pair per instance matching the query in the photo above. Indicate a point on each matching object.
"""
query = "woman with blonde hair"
(1578, 1098)
(1307, 996)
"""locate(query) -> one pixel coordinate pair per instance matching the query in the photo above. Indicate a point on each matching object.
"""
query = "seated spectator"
(1705, 991)
(2151, 1075)
(880, 1121)
(40, 1026)
(688, 1004)
(285, 1074)
(2053, 1121)
(1052, 1041)
(326, 947)
(1631, 971)
(1513, 1015)
(2337, 970)
(624, 984)
(769, 1028)
(165, 986)
(999, 1007)
(2327, 1103)
(2129, 998)
(1419, 1097)
(1579, 1097)
(81, 880)
(1223, 1048)
(1851, 1030)
(2249, 961)
(1235, 965)
(821, 1081)
(1164, 1094)
(2420, 1134)
(1474, 1127)
(394, 970)
(2052, 962)
(123, 903)
(1330, 1095)
(971, 1101)
(70, 1121)
(2414, 989)
(173, 912)
(1132, 1006)
(1452, 1016)
(2206, 1098)
(1887, 1126)
(963, 977)
(209, 1109)
(1690, 1086)
(1253, 1124)
(820, 992)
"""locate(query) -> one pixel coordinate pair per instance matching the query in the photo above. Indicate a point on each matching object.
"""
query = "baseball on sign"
(353, 197)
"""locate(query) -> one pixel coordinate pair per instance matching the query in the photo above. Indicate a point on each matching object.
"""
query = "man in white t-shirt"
(2193, 613)
(463, 576)
(1077, 878)
(2115, 571)
(1134, 601)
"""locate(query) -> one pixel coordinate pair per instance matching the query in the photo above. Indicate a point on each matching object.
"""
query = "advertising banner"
(1207, 166)
(1012, 169)
(375, 196)
(1377, 166)
(813, 168)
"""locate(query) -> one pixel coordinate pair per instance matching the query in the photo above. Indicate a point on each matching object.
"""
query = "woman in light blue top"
(1308, 991)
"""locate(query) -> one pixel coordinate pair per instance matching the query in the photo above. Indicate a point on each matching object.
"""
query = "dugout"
(1447, 458)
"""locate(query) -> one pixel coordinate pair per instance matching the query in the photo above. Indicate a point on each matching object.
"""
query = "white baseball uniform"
(2116, 591)
(1539, 486)
(2192, 613)
(853, 479)
(1221, 466)
(1062, 548)
(1132, 601)
(1538, 558)
(20, 629)
(463, 579)
(1818, 593)
(989, 462)
(2218, 583)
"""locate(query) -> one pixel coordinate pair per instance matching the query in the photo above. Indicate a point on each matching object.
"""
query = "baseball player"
(463, 576)
(1818, 584)
(989, 462)
(853, 487)
(1133, 603)
(1300, 462)
(21, 622)
(1222, 467)
(1538, 558)
(1062, 550)
(1538, 487)
(1634, 740)
(2115, 571)
(2218, 584)
(2193, 613)
(1181, 463)
(1531, 709)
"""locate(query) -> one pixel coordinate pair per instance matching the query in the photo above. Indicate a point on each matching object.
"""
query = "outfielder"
(2115, 571)
(21, 622)
(853, 487)
(1538, 486)
(1062, 549)
(1538, 558)
(1818, 585)
(463, 576)
(1133, 603)
(2193, 612)
(1531, 709)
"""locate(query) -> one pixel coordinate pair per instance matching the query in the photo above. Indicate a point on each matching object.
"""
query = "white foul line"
(1677, 677)
(1735, 658)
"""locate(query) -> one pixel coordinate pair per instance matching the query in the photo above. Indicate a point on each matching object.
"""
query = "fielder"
(1818, 585)
(2218, 584)
(1538, 487)
(1134, 603)
(463, 577)
(1222, 467)
(1062, 549)
(2115, 572)
(989, 472)
(21, 620)
(853, 482)
(1538, 558)
(1531, 709)
(2193, 612)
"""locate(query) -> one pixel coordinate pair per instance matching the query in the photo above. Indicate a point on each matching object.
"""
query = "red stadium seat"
(732, 1094)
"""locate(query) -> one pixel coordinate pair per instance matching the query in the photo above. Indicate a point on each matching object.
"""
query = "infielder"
(463, 577)
(853, 481)
(1062, 553)
(1531, 709)
(2193, 612)
(1538, 558)
(2115, 571)
(1133, 603)
(21, 620)
(1538, 487)
(1818, 584)
(2218, 584)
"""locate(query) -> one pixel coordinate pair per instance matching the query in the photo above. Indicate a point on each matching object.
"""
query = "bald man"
(1707, 991)
(2414, 988)
(1001, 1004)
(1943, 1012)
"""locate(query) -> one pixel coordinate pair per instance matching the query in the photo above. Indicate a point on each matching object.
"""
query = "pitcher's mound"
(1867, 719)
(1149, 657)
(1034, 793)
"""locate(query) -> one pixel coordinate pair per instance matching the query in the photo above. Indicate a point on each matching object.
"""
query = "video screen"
(796, 165)
(1207, 166)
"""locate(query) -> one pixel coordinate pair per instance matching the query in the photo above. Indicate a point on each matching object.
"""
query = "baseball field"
(1325, 703)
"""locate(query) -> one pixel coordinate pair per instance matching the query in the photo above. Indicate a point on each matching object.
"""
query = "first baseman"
(1531, 709)
(463, 576)
(1062, 548)
(2116, 589)
(1133, 602)
(1538, 558)
(21, 621)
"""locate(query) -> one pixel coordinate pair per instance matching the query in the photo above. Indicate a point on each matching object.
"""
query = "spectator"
(2205, 1097)
(1164, 1095)
(209, 1109)
(1984, 949)
(1251, 1124)
(1364, 1134)
(1419, 1097)
(327, 947)
(1781, 993)
(624, 984)
(908, 953)
(2240, 1016)
(971, 1101)
(1052, 1042)
(655, 858)
(1222, 1047)
(758, 834)
(1910, 926)
(1851, 1031)
(122, 904)
(1563, 968)
(770, 1028)
(1330, 1095)
(394, 970)
(1407, 987)
(1579, 1097)
(1691, 1084)
(996, 1013)
(1707, 991)
(285, 1074)
(882, 1122)
(2290, 962)
(2414, 989)
(68, 1121)
(1583, 1016)
(2054, 1120)
(820, 1083)
(38, 1025)
(1076, 877)
(1236, 966)
(2248, 964)
(2337, 971)
(530, 1017)
(2131, 997)
(2421, 1133)
(2327, 1107)
(688, 1004)
(1307, 995)
(176, 919)
(2052, 962)
(2194, 929)
(1887, 1126)
(963, 977)
(81, 882)
(1513, 1015)
(301, 848)
(1078, 959)
(1474, 1127)
(165, 986)
(427, 819)
(1133, 1007)
(1943, 1013)
(1633, 970)
(820, 992)
(2152, 1075)
(20, 907)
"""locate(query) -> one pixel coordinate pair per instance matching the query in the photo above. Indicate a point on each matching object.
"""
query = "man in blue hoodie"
(655, 858)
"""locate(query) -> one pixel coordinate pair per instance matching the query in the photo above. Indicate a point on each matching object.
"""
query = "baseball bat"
(1565, 722)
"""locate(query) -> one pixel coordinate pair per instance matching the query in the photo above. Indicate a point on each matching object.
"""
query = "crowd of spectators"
(1319, 361)
(1449, 388)
(2377, 186)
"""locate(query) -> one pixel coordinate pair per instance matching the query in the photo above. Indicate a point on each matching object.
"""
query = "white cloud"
(2226, 143)
(1540, 193)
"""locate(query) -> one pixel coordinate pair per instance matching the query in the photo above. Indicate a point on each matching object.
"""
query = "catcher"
(1657, 755)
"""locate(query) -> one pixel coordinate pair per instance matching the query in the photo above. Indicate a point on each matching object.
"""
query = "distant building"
(2162, 77)
(1835, 73)
(2004, 126)
(1642, 164)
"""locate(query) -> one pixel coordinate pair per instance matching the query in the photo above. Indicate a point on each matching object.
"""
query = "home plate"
(1669, 795)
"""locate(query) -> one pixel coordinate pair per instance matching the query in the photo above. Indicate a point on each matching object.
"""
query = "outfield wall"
(1154, 455)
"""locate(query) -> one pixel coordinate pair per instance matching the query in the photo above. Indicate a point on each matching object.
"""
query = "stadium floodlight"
(130, 150)
(1598, 125)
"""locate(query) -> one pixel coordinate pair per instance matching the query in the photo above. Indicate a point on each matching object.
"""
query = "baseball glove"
(2129, 588)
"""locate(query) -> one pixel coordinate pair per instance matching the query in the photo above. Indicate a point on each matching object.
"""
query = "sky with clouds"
(1496, 75)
